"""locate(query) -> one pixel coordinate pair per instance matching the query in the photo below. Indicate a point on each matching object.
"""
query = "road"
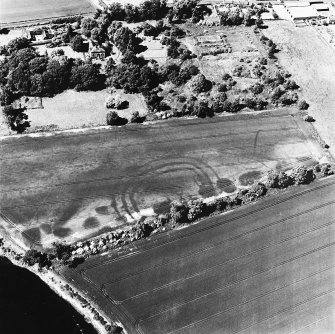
(264, 268)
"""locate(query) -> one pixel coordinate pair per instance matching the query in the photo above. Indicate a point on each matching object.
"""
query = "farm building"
(96, 52)
(303, 13)
(224, 2)
(304, 10)
(39, 34)
(322, 9)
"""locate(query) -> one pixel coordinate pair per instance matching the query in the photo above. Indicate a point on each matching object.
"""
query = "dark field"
(71, 185)
(265, 268)
(19, 11)
(32, 310)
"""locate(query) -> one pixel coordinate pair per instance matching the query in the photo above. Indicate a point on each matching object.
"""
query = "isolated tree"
(77, 44)
(36, 85)
(87, 24)
(17, 44)
(112, 118)
(86, 77)
(196, 210)
(202, 110)
(303, 105)
(116, 12)
(179, 212)
(183, 9)
(289, 98)
(218, 102)
(67, 36)
(259, 22)
(16, 119)
(290, 84)
(302, 175)
(257, 88)
(136, 118)
(98, 35)
(132, 13)
(19, 79)
(276, 94)
(57, 53)
(115, 329)
(200, 84)
(125, 39)
(116, 102)
(62, 251)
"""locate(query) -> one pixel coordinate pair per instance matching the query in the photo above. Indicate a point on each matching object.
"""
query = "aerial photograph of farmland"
(167, 167)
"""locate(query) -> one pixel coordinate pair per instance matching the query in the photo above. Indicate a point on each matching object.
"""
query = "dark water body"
(29, 306)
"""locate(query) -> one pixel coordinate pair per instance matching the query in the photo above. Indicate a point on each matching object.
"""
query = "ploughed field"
(72, 185)
(263, 268)
(21, 11)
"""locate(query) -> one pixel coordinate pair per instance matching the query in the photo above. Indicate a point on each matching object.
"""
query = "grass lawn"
(72, 109)
(155, 50)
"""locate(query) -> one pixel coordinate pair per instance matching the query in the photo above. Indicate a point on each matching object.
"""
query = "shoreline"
(57, 284)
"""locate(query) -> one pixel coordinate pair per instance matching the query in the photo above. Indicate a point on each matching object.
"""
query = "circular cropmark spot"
(226, 185)
(249, 178)
(91, 222)
(102, 210)
(206, 190)
(46, 228)
(62, 232)
(162, 207)
(32, 235)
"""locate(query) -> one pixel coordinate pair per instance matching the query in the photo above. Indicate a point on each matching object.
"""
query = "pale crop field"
(310, 59)
(67, 186)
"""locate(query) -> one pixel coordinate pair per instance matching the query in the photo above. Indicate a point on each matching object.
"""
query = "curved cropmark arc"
(201, 170)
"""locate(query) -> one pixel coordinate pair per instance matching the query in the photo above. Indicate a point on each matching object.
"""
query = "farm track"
(274, 265)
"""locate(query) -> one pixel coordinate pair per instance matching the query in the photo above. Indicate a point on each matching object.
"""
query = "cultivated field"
(25, 11)
(72, 185)
(265, 268)
(310, 60)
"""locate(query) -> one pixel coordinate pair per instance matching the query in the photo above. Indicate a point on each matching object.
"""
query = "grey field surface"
(18, 11)
(70, 185)
(264, 268)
